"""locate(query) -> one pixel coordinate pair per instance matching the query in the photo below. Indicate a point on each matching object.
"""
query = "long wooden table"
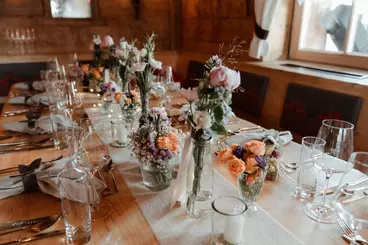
(127, 225)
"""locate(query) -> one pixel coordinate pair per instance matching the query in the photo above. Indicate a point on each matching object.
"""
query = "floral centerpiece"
(156, 144)
(129, 102)
(92, 76)
(207, 116)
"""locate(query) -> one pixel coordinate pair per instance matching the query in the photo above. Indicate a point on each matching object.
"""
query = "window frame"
(95, 11)
(347, 59)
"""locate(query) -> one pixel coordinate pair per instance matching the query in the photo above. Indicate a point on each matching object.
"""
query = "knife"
(356, 198)
(14, 113)
(35, 237)
(27, 148)
(19, 223)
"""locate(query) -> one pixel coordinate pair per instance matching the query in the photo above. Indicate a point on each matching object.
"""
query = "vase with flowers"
(207, 116)
(156, 144)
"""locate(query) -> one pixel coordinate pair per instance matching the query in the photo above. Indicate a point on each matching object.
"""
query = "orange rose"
(256, 147)
(225, 155)
(96, 74)
(100, 68)
(235, 165)
(118, 96)
(251, 178)
(173, 137)
(85, 68)
(251, 165)
(163, 143)
(174, 147)
(127, 100)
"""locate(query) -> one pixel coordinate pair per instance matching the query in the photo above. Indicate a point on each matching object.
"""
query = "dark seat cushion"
(252, 98)
(19, 72)
(306, 107)
(195, 71)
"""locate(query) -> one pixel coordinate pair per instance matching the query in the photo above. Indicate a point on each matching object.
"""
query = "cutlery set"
(35, 225)
(26, 145)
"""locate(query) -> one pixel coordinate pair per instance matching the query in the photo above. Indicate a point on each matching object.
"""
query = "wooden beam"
(175, 24)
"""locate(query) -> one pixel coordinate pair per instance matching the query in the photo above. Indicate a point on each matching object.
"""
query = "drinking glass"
(311, 153)
(353, 208)
(74, 189)
(61, 126)
(228, 224)
(321, 211)
(53, 64)
(120, 133)
(339, 137)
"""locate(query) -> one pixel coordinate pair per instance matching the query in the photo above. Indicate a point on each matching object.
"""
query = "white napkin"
(37, 85)
(42, 126)
(285, 137)
(48, 183)
(35, 100)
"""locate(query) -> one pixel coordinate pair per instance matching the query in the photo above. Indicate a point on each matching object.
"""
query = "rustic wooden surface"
(126, 225)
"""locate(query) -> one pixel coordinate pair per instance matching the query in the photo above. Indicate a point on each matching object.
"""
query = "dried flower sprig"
(234, 50)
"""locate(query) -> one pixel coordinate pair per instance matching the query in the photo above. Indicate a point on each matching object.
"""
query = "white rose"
(97, 39)
(123, 43)
(138, 67)
(232, 79)
(190, 94)
(202, 119)
(143, 52)
(107, 42)
(155, 64)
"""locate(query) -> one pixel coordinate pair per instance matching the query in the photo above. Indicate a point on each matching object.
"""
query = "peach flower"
(256, 147)
(225, 155)
(118, 96)
(173, 137)
(163, 143)
(100, 68)
(251, 165)
(174, 147)
(235, 165)
(251, 178)
(85, 68)
(127, 100)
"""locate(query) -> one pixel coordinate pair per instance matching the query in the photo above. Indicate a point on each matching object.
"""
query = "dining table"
(141, 216)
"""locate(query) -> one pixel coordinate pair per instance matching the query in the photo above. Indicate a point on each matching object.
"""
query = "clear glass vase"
(156, 176)
(200, 180)
(250, 187)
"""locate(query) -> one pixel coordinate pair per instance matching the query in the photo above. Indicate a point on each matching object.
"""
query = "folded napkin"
(283, 137)
(35, 100)
(42, 126)
(173, 86)
(36, 85)
(44, 178)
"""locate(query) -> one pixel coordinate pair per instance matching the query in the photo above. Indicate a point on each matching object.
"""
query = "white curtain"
(265, 11)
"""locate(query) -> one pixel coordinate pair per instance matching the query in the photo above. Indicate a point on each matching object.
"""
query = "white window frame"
(347, 59)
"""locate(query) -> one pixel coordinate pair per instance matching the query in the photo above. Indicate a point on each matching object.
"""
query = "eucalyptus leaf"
(218, 113)
(219, 129)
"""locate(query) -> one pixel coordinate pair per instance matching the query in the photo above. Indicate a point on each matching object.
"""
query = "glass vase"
(144, 104)
(200, 180)
(250, 187)
(156, 176)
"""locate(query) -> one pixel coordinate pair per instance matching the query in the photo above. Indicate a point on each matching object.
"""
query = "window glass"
(71, 8)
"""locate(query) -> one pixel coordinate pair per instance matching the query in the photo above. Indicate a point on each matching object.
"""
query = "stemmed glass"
(339, 145)
(352, 209)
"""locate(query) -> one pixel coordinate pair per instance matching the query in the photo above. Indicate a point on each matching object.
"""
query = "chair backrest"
(18, 72)
(251, 100)
(306, 107)
(195, 71)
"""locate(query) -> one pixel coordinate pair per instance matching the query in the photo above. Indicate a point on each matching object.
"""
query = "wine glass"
(53, 64)
(352, 209)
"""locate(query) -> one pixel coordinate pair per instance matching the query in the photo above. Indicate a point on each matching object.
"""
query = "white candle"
(122, 135)
(107, 76)
(234, 229)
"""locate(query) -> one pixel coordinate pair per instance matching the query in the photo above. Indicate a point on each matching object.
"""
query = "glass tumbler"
(74, 189)
(120, 133)
(61, 126)
(228, 221)
(308, 172)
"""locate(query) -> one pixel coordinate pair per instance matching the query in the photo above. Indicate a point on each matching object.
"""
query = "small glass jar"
(228, 221)
(120, 133)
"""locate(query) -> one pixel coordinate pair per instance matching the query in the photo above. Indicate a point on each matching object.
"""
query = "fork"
(349, 233)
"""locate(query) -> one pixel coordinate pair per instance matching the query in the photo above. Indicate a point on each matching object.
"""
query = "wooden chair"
(306, 107)
(195, 71)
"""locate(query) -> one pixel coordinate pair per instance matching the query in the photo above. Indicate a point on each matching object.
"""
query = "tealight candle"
(234, 229)
(122, 135)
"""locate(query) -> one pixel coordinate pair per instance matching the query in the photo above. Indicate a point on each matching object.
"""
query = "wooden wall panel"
(21, 8)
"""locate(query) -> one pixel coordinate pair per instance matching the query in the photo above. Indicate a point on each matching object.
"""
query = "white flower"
(121, 53)
(137, 54)
(123, 43)
(233, 79)
(107, 42)
(138, 67)
(143, 52)
(223, 76)
(155, 64)
(202, 120)
(96, 39)
(190, 94)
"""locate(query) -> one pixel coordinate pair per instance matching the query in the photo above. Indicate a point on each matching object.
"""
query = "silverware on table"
(14, 169)
(240, 130)
(35, 237)
(27, 148)
(109, 168)
(19, 223)
(15, 113)
(37, 227)
(332, 189)
(348, 232)
(27, 142)
(357, 196)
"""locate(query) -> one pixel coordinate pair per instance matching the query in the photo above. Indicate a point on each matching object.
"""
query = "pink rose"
(235, 165)
(190, 94)
(223, 76)
(107, 42)
(256, 147)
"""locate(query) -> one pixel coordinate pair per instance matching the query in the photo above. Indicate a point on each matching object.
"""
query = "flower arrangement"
(129, 102)
(93, 73)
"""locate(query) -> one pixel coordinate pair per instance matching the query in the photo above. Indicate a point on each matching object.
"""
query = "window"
(331, 31)
(81, 9)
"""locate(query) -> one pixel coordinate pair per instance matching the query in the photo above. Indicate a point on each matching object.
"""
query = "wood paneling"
(21, 8)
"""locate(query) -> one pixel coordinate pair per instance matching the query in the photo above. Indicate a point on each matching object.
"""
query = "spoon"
(39, 226)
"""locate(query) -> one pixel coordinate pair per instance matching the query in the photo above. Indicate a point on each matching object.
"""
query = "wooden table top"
(126, 224)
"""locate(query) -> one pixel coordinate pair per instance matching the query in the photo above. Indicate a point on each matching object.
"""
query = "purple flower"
(238, 152)
(102, 86)
(162, 153)
(261, 162)
(169, 154)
